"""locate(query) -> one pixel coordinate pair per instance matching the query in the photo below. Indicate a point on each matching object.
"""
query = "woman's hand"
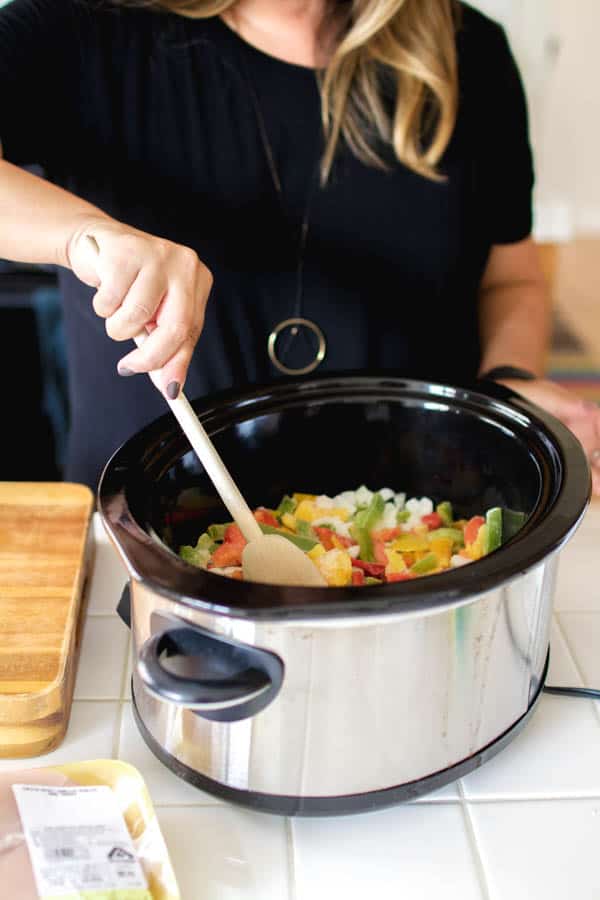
(581, 416)
(144, 283)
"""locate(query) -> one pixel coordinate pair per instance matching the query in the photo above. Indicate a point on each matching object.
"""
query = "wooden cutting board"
(45, 556)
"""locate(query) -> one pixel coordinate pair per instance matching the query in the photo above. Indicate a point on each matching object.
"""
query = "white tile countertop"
(525, 826)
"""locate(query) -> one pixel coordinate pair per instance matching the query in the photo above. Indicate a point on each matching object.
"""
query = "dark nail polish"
(125, 372)
(173, 390)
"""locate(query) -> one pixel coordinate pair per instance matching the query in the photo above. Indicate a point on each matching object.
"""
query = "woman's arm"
(515, 322)
(142, 281)
(38, 219)
(514, 309)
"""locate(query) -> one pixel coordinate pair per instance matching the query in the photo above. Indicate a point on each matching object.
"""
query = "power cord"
(573, 691)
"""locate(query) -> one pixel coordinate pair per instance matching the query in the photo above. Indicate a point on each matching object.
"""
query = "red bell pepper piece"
(386, 534)
(471, 529)
(228, 554)
(400, 576)
(233, 535)
(374, 569)
(266, 517)
(358, 576)
(432, 520)
(379, 553)
(326, 536)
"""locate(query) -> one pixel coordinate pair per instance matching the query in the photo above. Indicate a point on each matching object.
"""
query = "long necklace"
(291, 328)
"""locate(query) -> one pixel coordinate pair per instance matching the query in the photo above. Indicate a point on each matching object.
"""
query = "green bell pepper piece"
(365, 521)
(305, 543)
(402, 516)
(201, 553)
(425, 565)
(492, 538)
(287, 505)
(444, 511)
(455, 535)
(370, 580)
(305, 529)
(217, 532)
(512, 521)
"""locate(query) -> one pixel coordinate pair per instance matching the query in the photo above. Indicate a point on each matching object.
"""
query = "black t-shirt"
(149, 116)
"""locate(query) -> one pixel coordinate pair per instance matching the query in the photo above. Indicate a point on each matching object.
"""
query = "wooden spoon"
(267, 558)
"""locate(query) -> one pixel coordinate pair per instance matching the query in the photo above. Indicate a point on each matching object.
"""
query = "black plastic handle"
(224, 680)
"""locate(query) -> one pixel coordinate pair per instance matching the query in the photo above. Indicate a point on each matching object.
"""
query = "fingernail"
(125, 372)
(173, 390)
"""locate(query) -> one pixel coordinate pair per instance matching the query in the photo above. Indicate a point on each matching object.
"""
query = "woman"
(216, 168)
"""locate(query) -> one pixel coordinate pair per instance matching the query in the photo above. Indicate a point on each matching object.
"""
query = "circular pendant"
(294, 325)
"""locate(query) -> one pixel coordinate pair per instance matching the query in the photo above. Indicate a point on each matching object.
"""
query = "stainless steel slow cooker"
(333, 700)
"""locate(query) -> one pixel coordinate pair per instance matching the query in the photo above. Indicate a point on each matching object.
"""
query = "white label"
(77, 840)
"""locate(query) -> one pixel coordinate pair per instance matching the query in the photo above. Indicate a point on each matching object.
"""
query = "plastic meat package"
(81, 831)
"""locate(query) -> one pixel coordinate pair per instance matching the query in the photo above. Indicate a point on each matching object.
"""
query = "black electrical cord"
(573, 691)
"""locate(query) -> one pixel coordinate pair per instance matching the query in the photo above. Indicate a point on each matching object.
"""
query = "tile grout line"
(576, 666)
(291, 859)
(470, 829)
(119, 723)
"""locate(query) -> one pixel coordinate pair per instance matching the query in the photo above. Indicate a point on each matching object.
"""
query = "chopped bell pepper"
(365, 521)
(335, 567)
(493, 533)
(358, 577)
(216, 532)
(289, 521)
(512, 521)
(411, 543)
(266, 516)
(432, 520)
(229, 553)
(373, 569)
(442, 547)
(444, 511)
(453, 534)
(425, 565)
(304, 543)
(233, 535)
(400, 576)
(307, 510)
(287, 505)
(471, 529)
(201, 553)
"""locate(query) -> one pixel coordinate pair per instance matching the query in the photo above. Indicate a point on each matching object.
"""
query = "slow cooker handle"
(228, 680)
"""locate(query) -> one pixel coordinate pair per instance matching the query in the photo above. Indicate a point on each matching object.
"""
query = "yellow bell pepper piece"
(300, 497)
(306, 510)
(475, 550)
(338, 512)
(335, 567)
(442, 547)
(317, 551)
(410, 543)
(289, 521)
(395, 562)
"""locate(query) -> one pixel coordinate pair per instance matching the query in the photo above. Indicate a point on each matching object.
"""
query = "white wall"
(556, 46)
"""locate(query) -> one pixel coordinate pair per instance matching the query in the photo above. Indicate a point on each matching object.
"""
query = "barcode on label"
(66, 853)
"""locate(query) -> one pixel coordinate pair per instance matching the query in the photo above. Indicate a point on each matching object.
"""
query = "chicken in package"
(81, 831)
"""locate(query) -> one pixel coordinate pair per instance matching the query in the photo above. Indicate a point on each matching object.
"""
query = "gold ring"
(287, 323)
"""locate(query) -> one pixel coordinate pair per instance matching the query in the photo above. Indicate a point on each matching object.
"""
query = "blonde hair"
(413, 41)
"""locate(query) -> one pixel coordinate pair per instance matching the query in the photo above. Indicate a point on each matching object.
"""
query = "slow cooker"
(321, 701)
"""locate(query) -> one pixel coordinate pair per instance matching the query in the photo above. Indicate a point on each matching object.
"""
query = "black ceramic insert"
(477, 446)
